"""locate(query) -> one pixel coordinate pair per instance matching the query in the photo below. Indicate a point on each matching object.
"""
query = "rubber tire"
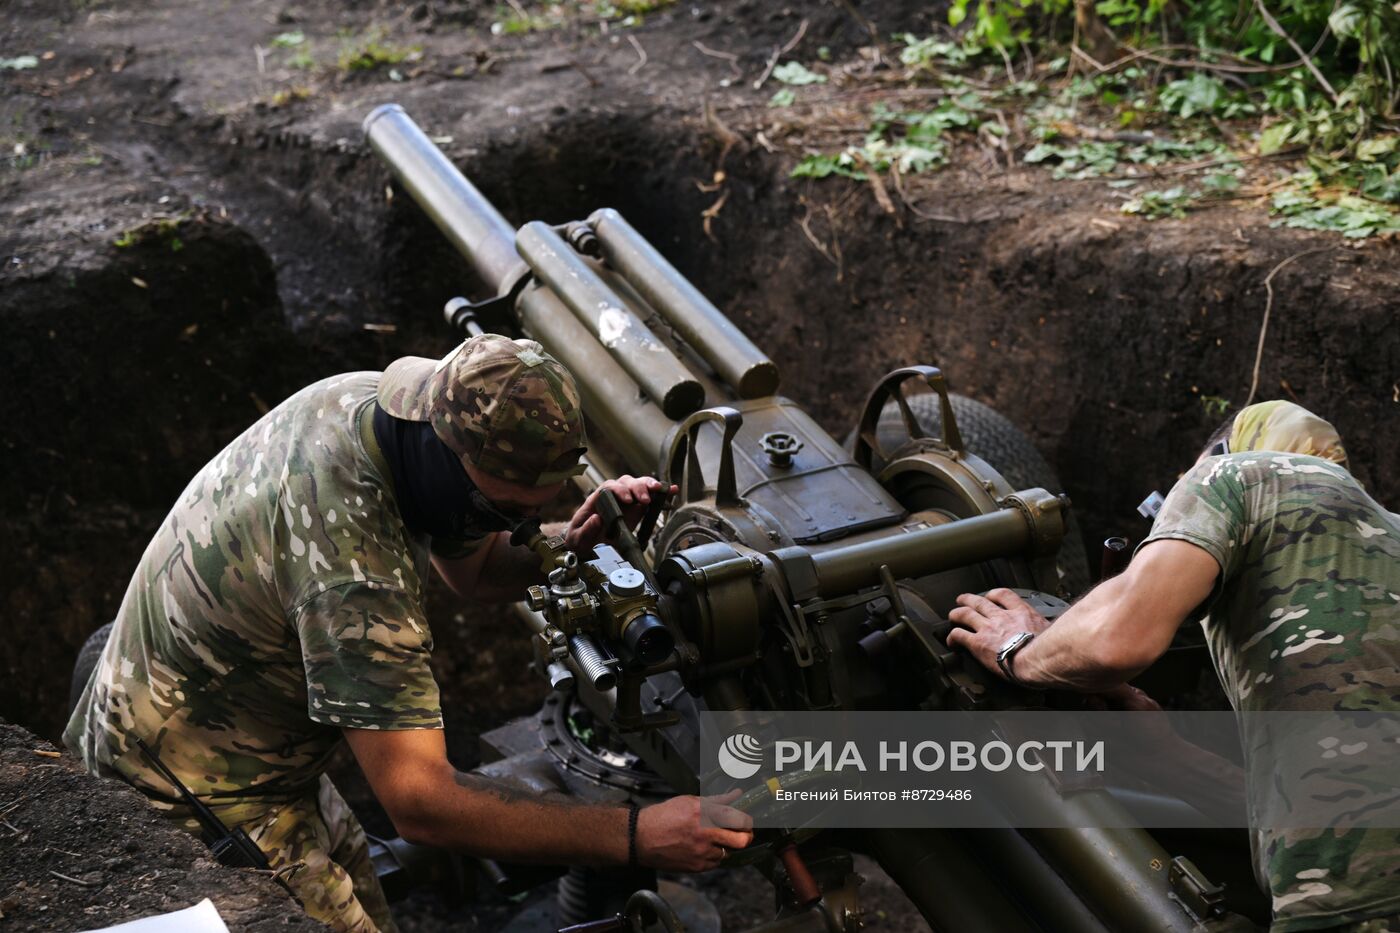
(87, 660)
(996, 440)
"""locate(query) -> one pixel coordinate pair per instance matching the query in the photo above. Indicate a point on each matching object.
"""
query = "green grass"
(371, 52)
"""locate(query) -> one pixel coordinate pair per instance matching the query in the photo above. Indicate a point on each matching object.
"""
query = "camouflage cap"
(503, 406)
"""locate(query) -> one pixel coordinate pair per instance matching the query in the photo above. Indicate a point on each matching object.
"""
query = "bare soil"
(80, 852)
(191, 228)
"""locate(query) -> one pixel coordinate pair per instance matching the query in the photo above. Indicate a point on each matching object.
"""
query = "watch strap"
(1007, 655)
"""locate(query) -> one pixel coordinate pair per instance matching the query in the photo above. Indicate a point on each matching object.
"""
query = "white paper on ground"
(201, 918)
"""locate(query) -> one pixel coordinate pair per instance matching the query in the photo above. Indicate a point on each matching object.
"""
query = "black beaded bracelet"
(633, 812)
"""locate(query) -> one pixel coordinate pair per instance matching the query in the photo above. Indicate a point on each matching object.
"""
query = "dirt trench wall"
(127, 369)
(82, 853)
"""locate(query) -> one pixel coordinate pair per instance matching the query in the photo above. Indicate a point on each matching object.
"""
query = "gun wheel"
(991, 436)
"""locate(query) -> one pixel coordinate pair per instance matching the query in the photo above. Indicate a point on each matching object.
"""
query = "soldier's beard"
(435, 496)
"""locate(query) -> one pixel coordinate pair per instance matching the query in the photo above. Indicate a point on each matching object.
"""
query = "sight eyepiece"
(648, 640)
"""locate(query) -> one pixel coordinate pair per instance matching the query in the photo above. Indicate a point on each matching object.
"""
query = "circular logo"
(740, 756)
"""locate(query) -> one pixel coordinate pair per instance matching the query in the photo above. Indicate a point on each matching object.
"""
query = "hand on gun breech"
(633, 494)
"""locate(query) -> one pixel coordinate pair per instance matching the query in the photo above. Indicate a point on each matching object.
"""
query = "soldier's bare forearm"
(432, 803)
(490, 818)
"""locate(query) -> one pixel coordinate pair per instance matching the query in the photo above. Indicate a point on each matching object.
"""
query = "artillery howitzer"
(789, 573)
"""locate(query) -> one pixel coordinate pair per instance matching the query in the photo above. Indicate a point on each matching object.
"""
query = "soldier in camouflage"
(1294, 573)
(278, 612)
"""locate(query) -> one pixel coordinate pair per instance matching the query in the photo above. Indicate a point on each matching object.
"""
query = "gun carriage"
(790, 572)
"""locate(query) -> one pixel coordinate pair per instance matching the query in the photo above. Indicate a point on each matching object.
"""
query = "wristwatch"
(1008, 652)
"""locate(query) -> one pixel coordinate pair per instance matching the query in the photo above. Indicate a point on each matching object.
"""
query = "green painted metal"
(954, 893)
(454, 204)
(609, 320)
(612, 405)
(845, 569)
(733, 356)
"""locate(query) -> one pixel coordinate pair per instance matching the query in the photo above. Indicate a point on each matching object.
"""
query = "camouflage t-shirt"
(280, 602)
(1305, 616)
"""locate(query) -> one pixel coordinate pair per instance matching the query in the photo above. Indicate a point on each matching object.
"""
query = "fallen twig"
(286, 872)
(641, 55)
(1239, 66)
(779, 52)
(729, 57)
(882, 195)
(1303, 56)
(78, 881)
(711, 212)
(805, 223)
(851, 95)
(727, 137)
(1268, 308)
(836, 240)
(1154, 171)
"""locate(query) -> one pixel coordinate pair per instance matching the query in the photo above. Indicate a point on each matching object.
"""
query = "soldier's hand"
(691, 833)
(988, 621)
(633, 494)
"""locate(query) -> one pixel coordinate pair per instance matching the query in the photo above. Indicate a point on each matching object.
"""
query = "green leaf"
(1274, 138)
(19, 63)
(1154, 205)
(1380, 185)
(996, 28)
(796, 73)
(1347, 20)
(1222, 182)
(1369, 150)
(287, 40)
(821, 166)
(783, 98)
(1199, 93)
(1349, 215)
(923, 52)
(957, 13)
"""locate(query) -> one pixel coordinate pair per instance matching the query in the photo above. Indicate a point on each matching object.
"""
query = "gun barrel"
(736, 359)
(633, 424)
(460, 211)
(645, 358)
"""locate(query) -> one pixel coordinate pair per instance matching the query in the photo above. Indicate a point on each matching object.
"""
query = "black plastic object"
(648, 641)
(231, 847)
(1117, 551)
(87, 660)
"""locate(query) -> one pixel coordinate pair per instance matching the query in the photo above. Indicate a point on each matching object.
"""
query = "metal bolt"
(582, 238)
